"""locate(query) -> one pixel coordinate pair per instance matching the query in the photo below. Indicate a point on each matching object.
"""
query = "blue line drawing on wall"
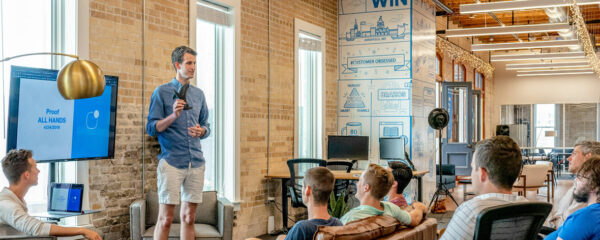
(351, 6)
(389, 60)
(391, 129)
(371, 33)
(352, 129)
(391, 98)
(397, 61)
(354, 100)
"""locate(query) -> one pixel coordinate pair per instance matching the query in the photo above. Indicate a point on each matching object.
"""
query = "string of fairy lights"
(461, 55)
(584, 37)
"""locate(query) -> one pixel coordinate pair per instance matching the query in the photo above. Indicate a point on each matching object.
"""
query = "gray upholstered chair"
(8, 232)
(214, 218)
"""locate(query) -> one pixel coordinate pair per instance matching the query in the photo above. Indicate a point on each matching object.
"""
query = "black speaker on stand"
(438, 119)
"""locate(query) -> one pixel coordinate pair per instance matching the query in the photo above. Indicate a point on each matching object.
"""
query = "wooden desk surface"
(342, 175)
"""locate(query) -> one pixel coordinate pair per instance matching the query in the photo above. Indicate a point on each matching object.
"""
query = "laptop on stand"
(65, 200)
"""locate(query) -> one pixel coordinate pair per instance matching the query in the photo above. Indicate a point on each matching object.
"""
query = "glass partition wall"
(551, 128)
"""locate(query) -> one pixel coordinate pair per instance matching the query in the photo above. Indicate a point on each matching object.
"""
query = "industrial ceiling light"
(538, 56)
(514, 29)
(524, 45)
(521, 66)
(519, 5)
(554, 73)
(583, 70)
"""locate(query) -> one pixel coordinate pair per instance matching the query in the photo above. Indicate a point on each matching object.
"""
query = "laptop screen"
(65, 197)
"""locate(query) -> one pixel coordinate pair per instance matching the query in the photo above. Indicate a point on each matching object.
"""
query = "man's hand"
(196, 131)
(89, 234)
(178, 107)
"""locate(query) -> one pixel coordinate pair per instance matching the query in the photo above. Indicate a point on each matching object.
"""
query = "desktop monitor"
(348, 147)
(391, 149)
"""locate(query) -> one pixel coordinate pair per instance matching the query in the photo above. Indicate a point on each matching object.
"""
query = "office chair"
(297, 168)
(340, 185)
(512, 221)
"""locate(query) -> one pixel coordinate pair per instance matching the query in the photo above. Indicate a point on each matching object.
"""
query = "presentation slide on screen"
(66, 199)
(55, 128)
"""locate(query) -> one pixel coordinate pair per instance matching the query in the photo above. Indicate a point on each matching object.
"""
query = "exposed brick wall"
(258, 130)
(116, 46)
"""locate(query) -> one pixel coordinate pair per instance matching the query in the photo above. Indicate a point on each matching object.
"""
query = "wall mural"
(386, 83)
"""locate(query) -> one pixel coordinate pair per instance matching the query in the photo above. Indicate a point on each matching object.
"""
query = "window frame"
(233, 166)
(464, 72)
(440, 76)
(302, 26)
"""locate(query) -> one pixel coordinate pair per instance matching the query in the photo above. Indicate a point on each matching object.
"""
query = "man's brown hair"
(501, 157)
(591, 171)
(321, 182)
(379, 179)
(15, 163)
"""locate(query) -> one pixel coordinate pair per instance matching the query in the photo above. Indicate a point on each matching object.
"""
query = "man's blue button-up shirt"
(177, 147)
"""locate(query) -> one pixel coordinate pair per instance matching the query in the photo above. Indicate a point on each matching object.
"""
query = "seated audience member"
(567, 204)
(402, 176)
(21, 171)
(585, 222)
(316, 188)
(495, 167)
(372, 186)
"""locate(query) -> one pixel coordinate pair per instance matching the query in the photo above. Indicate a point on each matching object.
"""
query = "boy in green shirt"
(371, 188)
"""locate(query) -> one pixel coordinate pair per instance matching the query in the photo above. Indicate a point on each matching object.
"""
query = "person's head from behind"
(402, 175)
(496, 163)
(374, 182)
(317, 186)
(20, 168)
(583, 151)
(184, 61)
(587, 180)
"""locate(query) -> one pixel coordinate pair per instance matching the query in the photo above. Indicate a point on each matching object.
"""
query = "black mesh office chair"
(512, 221)
(340, 185)
(297, 168)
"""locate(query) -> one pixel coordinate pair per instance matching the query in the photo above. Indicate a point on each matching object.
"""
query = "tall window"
(545, 121)
(215, 76)
(438, 67)
(51, 26)
(479, 80)
(459, 72)
(309, 89)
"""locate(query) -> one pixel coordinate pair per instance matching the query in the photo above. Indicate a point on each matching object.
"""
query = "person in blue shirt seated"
(371, 188)
(585, 222)
(316, 188)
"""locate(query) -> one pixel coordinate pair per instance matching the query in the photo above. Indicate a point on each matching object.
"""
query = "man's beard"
(581, 196)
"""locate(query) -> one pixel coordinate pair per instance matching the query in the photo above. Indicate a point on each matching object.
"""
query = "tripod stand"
(441, 188)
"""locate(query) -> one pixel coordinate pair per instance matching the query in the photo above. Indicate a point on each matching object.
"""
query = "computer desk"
(339, 175)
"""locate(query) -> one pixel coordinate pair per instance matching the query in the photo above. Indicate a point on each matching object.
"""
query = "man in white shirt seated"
(567, 204)
(495, 167)
(21, 171)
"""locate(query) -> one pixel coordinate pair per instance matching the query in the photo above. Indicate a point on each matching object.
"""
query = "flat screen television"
(348, 147)
(54, 128)
(391, 149)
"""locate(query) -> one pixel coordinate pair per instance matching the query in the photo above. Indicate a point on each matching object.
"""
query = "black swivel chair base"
(441, 190)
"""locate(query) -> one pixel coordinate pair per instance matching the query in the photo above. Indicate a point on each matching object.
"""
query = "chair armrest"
(225, 221)
(27, 237)
(137, 215)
